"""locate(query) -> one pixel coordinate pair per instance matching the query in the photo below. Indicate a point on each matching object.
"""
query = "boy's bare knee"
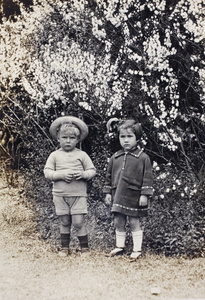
(65, 220)
(78, 224)
(78, 221)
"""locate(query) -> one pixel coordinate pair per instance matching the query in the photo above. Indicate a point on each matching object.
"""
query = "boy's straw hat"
(69, 119)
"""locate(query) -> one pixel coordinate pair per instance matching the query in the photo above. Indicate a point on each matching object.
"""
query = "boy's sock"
(65, 240)
(83, 241)
(137, 240)
(120, 239)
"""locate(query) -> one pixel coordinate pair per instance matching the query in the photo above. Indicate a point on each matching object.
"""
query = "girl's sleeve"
(147, 184)
(107, 186)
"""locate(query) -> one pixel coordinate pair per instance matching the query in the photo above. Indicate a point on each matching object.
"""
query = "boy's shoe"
(117, 251)
(63, 252)
(135, 254)
(84, 250)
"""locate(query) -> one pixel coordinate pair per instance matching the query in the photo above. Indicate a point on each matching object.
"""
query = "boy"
(128, 184)
(69, 168)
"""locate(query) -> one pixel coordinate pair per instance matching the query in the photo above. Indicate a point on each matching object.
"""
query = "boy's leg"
(78, 222)
(63, 212)
(65, 224)
(137, 235)
(120, 222)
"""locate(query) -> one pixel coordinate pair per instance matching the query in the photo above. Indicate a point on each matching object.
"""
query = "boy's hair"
(135, 127)
(69, 127)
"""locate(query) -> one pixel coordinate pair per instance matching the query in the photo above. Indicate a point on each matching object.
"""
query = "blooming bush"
(101, 59)
(177, 205)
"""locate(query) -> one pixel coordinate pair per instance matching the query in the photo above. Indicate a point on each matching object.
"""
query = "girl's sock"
(83, 241)
(65, 240)
(137, 240)
(120, 239)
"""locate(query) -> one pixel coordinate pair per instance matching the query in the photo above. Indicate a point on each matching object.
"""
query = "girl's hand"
(108, 199)
(143, 200)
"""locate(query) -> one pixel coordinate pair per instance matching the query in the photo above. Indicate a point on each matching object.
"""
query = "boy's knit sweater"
(73, 161)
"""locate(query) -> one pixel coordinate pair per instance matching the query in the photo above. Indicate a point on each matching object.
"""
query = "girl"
(129, 183)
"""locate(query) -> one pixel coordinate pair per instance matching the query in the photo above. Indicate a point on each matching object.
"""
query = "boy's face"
(67, 140)
(127, 139)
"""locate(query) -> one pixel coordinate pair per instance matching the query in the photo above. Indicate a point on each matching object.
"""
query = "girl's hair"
(69, 128)
(135, 127)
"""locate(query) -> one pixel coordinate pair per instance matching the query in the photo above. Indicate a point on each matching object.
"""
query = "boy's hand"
(62, 175)
(86, 175)
(108, 199)
(79, 175)
(68, 177)
(143, 200)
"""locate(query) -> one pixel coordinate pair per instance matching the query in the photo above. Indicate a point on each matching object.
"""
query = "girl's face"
(127, 139)
(67, 140)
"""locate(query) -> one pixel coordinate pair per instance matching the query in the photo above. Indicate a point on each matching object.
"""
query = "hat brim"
(69, 119)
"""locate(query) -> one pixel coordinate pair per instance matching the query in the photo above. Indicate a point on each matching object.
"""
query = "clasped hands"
(77, 176)
(69, 176)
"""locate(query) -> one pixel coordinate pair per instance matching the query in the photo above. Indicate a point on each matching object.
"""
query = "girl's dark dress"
(129, 175)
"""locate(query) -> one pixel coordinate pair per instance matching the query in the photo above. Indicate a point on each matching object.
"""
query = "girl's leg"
(120, 222)
(137, 235)
(134, 224)
(78, 222)
(65, 224)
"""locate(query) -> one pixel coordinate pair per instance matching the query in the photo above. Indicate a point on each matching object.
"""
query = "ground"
(31, 269)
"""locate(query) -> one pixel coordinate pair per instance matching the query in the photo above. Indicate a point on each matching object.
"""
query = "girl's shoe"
(117, 251)
(135, 254)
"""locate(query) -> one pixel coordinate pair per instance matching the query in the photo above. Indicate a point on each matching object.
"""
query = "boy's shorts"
(70, 205)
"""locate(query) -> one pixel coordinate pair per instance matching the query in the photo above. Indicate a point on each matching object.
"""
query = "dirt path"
(30, 270)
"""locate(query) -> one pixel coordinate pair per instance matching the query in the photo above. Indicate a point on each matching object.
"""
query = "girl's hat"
(71, 120)
(110, 124)
(114, 124)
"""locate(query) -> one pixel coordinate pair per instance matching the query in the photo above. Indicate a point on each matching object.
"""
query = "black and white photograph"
(102, 149)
